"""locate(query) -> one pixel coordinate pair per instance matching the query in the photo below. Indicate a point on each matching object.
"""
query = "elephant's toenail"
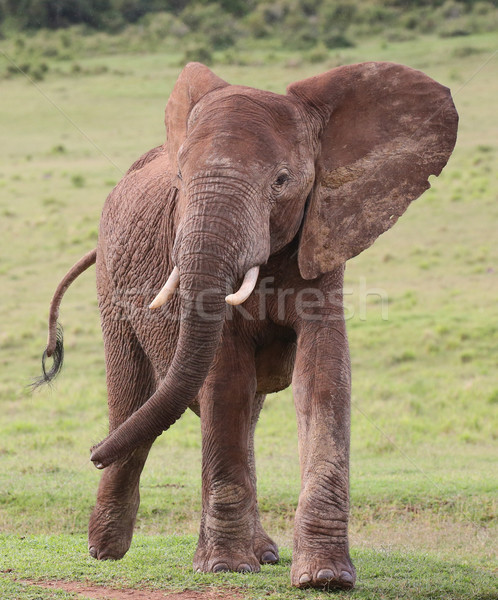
(220, 568)
(93, 551)
(269, 558)
(346, 578)
(305, 578)
(198, 571)
(106, 557)
(244, 568)
(325, 575)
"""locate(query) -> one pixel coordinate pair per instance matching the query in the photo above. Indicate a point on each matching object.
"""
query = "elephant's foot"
(110, 531)
(217, 557)
(326, 571)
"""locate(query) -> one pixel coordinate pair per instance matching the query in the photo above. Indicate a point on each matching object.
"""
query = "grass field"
(424, 482)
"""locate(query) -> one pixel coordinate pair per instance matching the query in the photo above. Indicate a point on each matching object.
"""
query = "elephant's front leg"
(321, 387)
(227, 531)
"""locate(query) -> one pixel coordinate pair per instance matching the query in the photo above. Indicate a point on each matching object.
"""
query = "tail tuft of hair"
(57, 361)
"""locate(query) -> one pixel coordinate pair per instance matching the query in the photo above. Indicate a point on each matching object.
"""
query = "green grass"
(157, 562)
(425, 394)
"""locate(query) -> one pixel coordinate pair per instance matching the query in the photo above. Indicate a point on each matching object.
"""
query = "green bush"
(33, 70)
(300, 31)
(197, 53)
(235, 7)
(78, 181)
(337, 40)
(317, 55)
(112, 26)
(217, 28)
(53, 14)
(464, 51)
(337, 16)
(256, 23)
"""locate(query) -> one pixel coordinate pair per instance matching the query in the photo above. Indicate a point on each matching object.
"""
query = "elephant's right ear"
(194, 82)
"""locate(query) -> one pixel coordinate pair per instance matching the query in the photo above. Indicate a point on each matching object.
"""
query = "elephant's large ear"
(383, 129)
(194, 82)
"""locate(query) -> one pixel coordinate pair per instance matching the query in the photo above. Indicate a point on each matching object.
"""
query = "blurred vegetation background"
(35, 31)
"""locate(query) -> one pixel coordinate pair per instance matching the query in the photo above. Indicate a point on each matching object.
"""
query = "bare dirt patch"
(97, 592)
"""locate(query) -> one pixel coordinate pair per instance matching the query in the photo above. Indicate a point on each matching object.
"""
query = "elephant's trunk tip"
(98, 463)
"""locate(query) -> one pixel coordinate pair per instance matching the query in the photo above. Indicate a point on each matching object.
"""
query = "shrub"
(50, 51)
(232, 57)
(150, 25)
(37, 74)
(236, 7)
(455, 28)
(317, 55)
(198, 53)
(160, 24)
(59, 149)
(400, 35)
(464, 51)
(337, 16)
(257, 24)
(53, 14)
(274, 12)
(78, 181)
(212, 23)
(337, 40)
(300, 31)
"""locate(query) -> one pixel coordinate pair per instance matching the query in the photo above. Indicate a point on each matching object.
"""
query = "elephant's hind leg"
(130, 382)
(264, 547)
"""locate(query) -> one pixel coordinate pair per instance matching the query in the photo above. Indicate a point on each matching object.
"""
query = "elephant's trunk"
(204, 279)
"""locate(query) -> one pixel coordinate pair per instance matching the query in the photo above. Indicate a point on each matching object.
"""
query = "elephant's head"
(336, 161)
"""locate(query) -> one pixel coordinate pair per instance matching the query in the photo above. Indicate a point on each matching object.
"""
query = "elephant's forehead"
(239, 107)
(224, 147)
(240, 125)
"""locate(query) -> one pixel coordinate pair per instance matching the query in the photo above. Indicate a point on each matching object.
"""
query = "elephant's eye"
(280, 181)
(179, 175)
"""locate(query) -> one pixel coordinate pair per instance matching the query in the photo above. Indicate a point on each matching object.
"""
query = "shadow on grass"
(166, 563)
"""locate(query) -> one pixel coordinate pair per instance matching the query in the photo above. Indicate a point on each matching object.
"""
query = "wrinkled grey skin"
(295, 184)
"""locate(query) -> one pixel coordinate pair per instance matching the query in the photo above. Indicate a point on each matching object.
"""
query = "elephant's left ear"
(193, 83)
(382, 130)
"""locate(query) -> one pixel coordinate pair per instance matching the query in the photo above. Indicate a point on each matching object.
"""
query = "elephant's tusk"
(167, 290)
(245, 289)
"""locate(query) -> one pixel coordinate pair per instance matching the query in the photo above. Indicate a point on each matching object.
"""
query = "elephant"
(220, 264)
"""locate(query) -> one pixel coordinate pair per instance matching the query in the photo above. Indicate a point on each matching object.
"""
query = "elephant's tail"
(55, 343)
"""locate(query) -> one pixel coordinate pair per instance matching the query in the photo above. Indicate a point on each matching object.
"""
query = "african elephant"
(271, 194)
